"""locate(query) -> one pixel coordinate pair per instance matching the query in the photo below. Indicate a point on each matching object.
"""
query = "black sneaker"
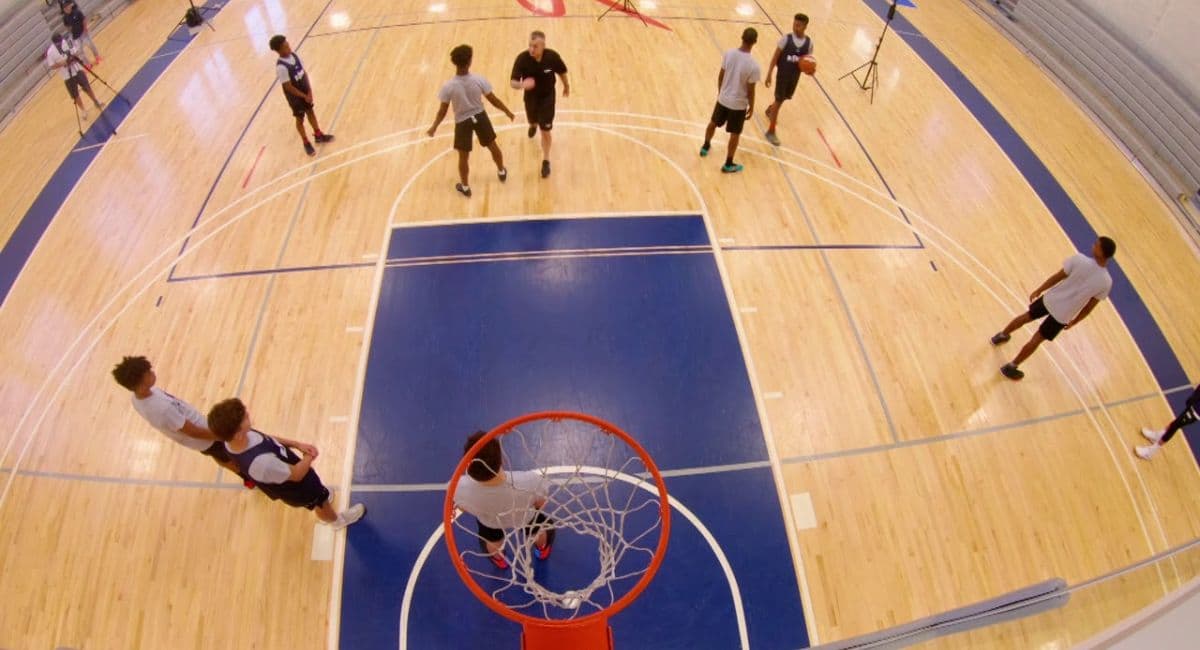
(463, 189)
(323, 138)
(503, 174)
(309, 149)
(545, 168)
(532, 130)
(1012, 372)
(1000, 338)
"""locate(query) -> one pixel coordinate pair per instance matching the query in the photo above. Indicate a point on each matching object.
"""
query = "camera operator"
(63, 55)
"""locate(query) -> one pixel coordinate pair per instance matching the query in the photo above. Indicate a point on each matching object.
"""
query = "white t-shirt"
(1085, 280)
(740, 69)
(465, 94)
(506, 505)
(167, 413)
(266, 468)
(53, 56)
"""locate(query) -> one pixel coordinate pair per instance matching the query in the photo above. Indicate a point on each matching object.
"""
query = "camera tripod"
(625, 6)
(74, 62)
(871, 78)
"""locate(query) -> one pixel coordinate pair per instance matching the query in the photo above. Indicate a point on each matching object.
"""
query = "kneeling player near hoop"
(502, 499)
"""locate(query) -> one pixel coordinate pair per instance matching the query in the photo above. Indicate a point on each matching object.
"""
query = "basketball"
(808, 64)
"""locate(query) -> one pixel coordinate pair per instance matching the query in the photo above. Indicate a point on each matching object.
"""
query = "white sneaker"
(83, 115)
(1147, 452)
(349, 516)
(1152, 435)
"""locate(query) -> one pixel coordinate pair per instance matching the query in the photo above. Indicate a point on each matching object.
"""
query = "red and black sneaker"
(249, 483)
(499, 561)
(543, 552)
(322, 138)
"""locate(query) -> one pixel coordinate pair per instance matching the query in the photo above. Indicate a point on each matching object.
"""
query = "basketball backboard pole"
(626, 6)
(871, 77)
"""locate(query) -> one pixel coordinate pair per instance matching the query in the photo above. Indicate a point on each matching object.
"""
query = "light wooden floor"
(935, 482)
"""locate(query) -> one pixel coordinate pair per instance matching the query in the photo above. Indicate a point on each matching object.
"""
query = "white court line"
(355, 328)
(169, 253)
(109, 141)
(337, 419)
(774, 395)
(735, 591)
(549, 216)
(749, 310)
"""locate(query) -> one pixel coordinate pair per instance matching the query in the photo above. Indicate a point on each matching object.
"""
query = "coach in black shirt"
(534, 72)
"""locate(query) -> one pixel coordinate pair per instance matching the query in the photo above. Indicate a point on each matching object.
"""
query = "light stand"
(626, 6)
(193, 19)
(871, 78)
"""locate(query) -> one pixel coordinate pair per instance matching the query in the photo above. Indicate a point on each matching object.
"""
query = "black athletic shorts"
(480, 125)
(299, 105)
(76, 82)
(1049, 327)
(539, 110)
(531, 529)
(785, 86)
(731, 119)
(309, 492)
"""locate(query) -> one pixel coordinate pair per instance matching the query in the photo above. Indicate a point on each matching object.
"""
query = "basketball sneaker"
(499, 561)
(463, 189)
(1147, 452)
(545, 168)
(348, 516)
(322, 138)
(543, 552)
(1152, 435)
(309, 149)
(1012, 372)
(731, 168)
(1000, 338)
(773, 139)
(503, 174)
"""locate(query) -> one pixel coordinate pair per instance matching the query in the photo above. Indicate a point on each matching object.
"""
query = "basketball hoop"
(602, 489)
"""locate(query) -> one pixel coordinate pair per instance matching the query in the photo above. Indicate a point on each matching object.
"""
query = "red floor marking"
(251, 172)
(831, 152)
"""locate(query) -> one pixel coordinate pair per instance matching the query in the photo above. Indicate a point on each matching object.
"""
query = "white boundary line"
(735, 591)
(333, 627)
(549, 215)
(62, 380)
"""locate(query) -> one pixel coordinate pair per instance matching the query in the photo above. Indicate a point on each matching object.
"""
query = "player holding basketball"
(787, 59)
(1070, 295)
(466, 92)
(735, 101)
(1189, 415)
(502, 499)
(534, 72)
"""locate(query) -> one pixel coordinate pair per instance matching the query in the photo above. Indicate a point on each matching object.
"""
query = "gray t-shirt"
(506, 505)
(740, 69)
(465, 93)
(167, 413)
(1085, 280)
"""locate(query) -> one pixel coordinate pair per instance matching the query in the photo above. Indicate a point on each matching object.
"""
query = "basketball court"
(801, 348)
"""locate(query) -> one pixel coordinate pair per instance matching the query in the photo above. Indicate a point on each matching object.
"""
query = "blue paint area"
(547, 235)
(645, 341)
(47, 204)
(688, 605)
(1165, 366)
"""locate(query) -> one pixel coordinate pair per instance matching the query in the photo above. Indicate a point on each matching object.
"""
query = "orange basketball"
(808, 64)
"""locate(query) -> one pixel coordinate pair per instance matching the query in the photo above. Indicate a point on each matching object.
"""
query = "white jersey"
(505, 505)
(69, 47)
(1085, 280)
(167, 413)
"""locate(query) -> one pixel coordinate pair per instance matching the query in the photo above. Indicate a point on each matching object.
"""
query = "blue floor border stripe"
(1165, 366)
(37, 219)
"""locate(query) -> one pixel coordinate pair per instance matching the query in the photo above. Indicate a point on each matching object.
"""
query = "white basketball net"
(596, 487)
